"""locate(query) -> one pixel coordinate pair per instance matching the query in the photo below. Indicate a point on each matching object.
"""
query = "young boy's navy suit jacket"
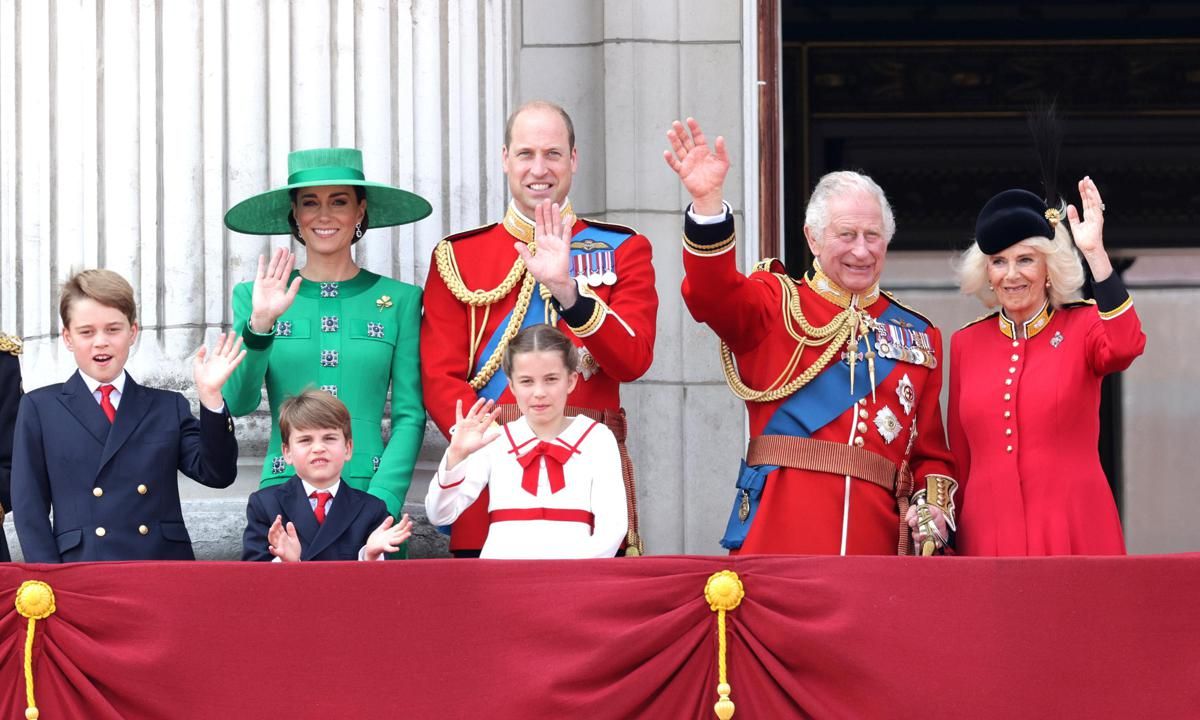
(113, 487)
(352, 517)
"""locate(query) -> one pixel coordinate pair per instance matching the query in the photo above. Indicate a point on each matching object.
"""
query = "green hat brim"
(267, 213)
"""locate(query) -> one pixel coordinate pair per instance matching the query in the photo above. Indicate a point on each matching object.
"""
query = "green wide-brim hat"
(267, 213)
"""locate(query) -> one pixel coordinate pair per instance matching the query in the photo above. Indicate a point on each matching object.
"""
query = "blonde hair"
(313, 410)
(103, 286)
(1063, 268)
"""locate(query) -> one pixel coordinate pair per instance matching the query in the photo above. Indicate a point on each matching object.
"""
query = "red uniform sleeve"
(930, 455)
(444, 352)
(1115, 338)
(739, 309)
(619, 330)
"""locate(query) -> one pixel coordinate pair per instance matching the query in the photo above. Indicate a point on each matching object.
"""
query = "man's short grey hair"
(816, 215)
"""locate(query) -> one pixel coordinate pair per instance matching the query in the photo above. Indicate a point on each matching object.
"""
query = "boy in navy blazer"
(102, 452)
(314, 515)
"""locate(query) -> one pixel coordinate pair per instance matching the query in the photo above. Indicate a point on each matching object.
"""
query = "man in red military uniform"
(847, 451)
(593, 280)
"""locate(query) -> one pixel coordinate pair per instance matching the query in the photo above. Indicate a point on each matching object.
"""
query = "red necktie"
(323, 499)
(555, 456)
(106, 402)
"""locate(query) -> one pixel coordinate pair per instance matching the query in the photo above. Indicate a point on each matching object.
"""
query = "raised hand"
(551, 266)
(272, 294)
(387, 537)
(1088, 230)
(211, 372)
(284, 543)
(472, 431)
(701, 170)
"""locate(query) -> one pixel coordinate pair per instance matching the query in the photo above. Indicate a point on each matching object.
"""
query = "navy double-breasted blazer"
(352, 517)
(113, 487)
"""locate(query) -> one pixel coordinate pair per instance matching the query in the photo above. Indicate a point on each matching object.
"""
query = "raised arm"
(256, 307)
(1117, 339)
(737, 308)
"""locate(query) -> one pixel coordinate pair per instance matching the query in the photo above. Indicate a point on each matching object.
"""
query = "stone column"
(128, 128)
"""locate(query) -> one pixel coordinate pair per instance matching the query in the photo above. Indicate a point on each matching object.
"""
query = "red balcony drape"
(626, 638)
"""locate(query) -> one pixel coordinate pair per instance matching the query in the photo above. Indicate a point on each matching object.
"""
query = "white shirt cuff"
(708, 219)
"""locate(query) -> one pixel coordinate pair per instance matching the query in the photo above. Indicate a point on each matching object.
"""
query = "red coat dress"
(808, 511)
(1024, 426)
(616, 330)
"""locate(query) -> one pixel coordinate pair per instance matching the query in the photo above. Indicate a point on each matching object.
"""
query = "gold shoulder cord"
(447, 267)
(836, 333)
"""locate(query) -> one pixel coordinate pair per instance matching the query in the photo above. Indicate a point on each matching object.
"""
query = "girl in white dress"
(556, 486)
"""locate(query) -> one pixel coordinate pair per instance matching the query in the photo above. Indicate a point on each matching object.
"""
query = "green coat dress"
(351, 339)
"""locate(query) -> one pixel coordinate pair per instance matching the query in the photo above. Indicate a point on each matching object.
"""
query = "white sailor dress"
(563, 498)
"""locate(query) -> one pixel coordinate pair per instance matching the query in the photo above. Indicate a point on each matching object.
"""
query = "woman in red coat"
(1025, 381)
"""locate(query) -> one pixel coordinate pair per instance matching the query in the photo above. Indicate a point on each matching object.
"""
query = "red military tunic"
(615, 328)
(1024, 422)
(808, 511)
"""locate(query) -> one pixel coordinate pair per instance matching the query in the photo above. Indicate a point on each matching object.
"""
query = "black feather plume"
(1047, 131)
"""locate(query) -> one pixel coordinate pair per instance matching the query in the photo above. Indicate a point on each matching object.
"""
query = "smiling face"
(100, 336)
(326, 216)
(540, 382)
(318, 454)
(852, 246)
(1018, 275)
(539, 160)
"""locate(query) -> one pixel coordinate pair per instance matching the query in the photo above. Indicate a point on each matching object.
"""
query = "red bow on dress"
(555, 456)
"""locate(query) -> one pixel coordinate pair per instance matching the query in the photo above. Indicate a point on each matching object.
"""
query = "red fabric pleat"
(814, 637)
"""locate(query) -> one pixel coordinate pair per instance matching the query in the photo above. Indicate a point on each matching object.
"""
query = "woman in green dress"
(331, 324)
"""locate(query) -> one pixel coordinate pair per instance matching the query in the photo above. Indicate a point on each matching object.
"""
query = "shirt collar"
(93, 384)
(524, 439)
(332, 489)
(834, 293)
(522, 227)
(1032, 326)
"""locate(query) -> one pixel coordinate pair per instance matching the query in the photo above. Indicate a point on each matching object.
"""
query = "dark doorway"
(930, 99)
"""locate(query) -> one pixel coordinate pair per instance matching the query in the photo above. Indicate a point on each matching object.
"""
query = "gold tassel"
(724, 592)
(35, 600)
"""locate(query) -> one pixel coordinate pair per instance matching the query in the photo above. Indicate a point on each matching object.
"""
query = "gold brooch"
(384, 301)
(1053, 216)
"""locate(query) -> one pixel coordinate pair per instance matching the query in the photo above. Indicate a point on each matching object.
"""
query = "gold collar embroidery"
(1032, 326)
(522, 228)
(831, 291)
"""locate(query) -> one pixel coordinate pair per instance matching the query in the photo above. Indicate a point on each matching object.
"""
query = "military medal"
(595, 277)
(904, 344)
(907, 394)
(887, 424)
(587, 363)
(609, 277)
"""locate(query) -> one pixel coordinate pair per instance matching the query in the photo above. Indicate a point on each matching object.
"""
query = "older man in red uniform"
(593, 280)
(847, 451)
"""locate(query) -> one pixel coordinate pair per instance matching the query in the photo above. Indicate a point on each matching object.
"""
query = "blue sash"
(809, 409)
(610, 239)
